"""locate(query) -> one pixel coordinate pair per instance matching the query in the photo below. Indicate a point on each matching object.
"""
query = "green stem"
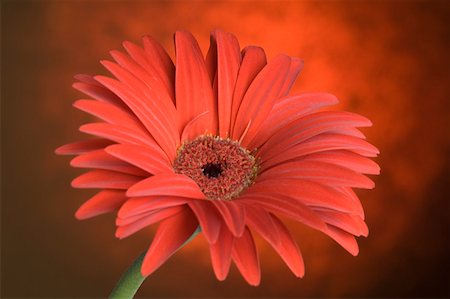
(132, 279)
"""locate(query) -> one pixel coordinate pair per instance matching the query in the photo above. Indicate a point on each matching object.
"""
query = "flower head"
(219, 143)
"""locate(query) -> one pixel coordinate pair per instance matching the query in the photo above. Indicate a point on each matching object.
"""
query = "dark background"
(386, 60)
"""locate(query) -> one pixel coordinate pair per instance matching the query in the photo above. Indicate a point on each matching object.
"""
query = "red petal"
(294, 70)
(261, 221)
(233, 214)
(307, 127)
(285, 206)
(110, 113)
(167, 185)
(84, 146)
(228, 61)
(117, 133)
(221, 253)
(346, 240)
(318, 171)
(193, 87)
(246, 258)
(350, 194)
(146, 220)
(289, 109)
(189, 131)
(139, 205)
(253, 61)
(149, 112)
(352, 224)
(323, 143)
(162, 63)
(309, 193)
(100, 93)
(288, 250)
(208, 217)
(99, 159)
(260, 97)
(104, 179)
(346, 159)
(150, 159)
(150, 66)
(103, 202)
(172, 233)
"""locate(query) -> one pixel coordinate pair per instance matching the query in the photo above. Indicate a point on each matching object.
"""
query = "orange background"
(385, 60)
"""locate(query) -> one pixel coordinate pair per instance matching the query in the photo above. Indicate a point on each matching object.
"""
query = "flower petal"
(253, 61)
(105, 179)
(258, 219)
(110, 113)
(233, 214)
(294, 70)
(228, 62)
(285, 206)
(260, 97)
(323, 143)
(307, 192)
(172, 233)
(162, 63)
(346, 159)
(221, 253)
(153, 65)
(288, 250)
(168, 184)
(307, 127)
(143, 80)
(141, 205)
(81, 147)
(103, 202)
(246, 258)
(148, 112)
(346, 240)
(193, 87)
(288, 109)
(117, 133)
(100, 93)
(352, 224)
(151, 159)
(320, 172)
(208, 217)
(146, 220)
(99, 159)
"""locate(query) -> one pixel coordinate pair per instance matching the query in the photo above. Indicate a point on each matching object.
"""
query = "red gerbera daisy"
(218, 143)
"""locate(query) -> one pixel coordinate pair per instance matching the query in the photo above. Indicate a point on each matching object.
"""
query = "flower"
(219, 143)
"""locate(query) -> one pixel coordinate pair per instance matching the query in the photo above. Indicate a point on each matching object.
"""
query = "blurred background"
(385, 60)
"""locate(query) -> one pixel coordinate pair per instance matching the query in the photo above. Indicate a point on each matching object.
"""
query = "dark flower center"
(221, 167)
(212, 170)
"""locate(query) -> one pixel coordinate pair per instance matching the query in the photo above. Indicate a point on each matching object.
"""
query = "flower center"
(221, 167)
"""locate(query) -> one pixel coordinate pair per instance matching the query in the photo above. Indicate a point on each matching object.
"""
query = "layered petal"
(221, 253)
(179, 227)
(103, 202)
(289, 109)
(228, 62)
(150, 159)
(99, 159)
(260, 97)
(253, 61)
(167, 185)
(81, 147)
(147, 219)
(105, 179)
(208, 217)
(246, 258)
(192, 85)
(318, 171)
